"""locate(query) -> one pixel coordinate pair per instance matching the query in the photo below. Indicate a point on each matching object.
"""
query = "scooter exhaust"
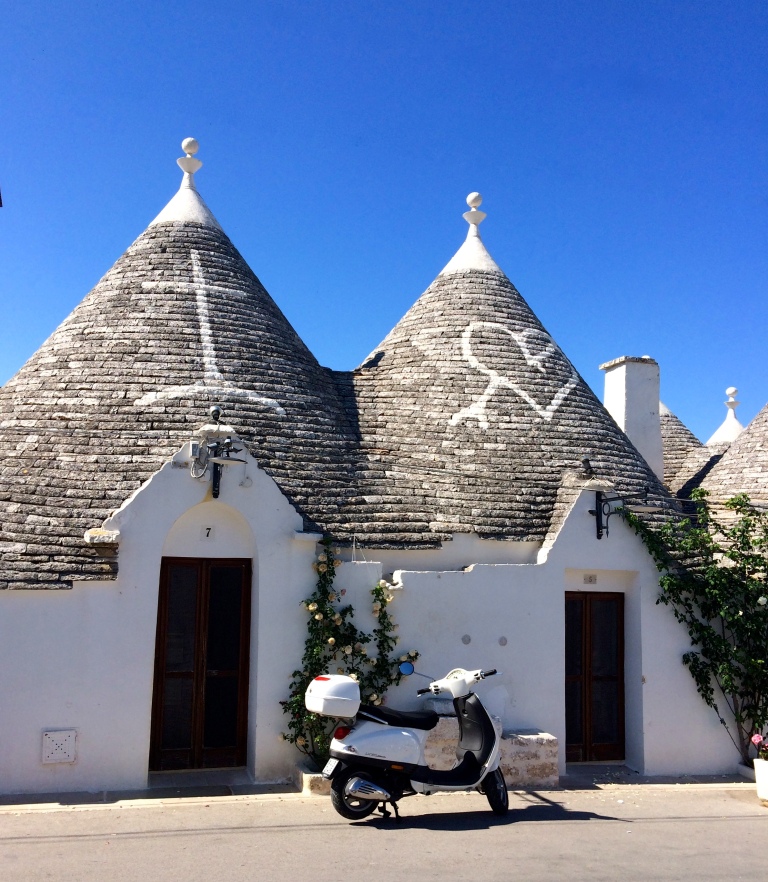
(363, 789)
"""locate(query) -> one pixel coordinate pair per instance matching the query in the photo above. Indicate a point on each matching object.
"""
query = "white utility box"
(333, 695)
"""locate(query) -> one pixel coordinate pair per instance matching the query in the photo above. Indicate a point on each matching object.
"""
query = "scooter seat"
(407, 719)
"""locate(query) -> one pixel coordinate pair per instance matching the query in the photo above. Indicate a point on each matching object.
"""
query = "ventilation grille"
(59, 746)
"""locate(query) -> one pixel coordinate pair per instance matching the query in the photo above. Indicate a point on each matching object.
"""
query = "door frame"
(204, 565)
(595, 752)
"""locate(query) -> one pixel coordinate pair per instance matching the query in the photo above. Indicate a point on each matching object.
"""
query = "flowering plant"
(761, 743)
(335, 644)
(714, 573)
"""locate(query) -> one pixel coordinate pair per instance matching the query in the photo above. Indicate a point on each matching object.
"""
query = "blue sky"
(620, 148)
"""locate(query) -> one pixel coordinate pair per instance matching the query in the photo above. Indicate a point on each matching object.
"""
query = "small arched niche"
(210, 529)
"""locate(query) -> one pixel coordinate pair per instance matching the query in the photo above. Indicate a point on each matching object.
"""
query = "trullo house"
(151, 617)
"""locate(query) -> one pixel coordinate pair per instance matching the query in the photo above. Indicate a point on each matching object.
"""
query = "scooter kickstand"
(397, 813)
(384, 812)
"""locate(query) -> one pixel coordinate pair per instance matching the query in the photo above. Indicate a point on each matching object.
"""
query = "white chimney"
(632, 399)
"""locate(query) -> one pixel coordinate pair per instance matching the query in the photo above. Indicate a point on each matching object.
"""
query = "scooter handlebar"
(423, 691)
(490, 673)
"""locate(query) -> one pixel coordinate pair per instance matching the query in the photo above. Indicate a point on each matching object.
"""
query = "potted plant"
(761, 766)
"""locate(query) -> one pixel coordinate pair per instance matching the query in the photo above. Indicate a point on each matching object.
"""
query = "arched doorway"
(202, 648)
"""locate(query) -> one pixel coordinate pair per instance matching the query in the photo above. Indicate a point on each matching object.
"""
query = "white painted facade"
(83, 659)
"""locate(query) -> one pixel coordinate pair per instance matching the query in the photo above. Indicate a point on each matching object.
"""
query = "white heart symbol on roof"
(536, 347)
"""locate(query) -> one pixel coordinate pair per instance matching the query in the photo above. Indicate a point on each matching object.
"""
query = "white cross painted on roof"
(214, 384)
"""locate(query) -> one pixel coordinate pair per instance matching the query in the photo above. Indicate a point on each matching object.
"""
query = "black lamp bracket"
(607, 504)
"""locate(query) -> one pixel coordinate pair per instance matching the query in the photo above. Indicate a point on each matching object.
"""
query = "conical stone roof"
(678, 442)
(178, 323)
(743, 468)
(470, 415)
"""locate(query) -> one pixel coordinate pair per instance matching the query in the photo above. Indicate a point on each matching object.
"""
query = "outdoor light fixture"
(216, 453)
(607, 504)
(220, 454)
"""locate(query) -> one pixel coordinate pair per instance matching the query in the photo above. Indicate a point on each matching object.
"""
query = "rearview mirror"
(406, 668)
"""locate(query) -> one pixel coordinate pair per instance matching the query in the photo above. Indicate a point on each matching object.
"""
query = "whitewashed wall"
(84, 659)
(669, 730)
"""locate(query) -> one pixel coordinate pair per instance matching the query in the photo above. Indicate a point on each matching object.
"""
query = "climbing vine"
(714, 577)
(335, 645)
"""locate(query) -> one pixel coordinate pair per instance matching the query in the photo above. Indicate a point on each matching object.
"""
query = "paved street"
(616, 833)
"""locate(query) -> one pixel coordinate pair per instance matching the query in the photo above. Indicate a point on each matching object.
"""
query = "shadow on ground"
(537, 807)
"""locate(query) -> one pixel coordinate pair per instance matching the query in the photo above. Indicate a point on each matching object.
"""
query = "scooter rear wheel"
(353, 808)
(495, 789)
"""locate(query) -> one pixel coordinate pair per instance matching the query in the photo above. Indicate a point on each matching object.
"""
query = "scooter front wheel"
(495, 789)
(353, 808)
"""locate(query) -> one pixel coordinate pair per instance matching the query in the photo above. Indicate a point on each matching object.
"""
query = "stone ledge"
(528, 756)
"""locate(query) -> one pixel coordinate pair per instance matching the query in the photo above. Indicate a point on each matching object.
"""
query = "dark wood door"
(594, 676)
(200, 700)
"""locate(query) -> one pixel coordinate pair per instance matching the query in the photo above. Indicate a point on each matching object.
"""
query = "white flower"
(359, 647)
(762, 601)
(389, 598)
(331, 597)
(339, 670)
(373, 696)
(348, 650)
(353, 676)
(331, 641)
(378, 701)
(403, 658)
(322, 557)
(312, 607)
(301, 740)
(337, 562)
(321, 568)
(376, 607)
(383, 583)
(413, 653)
(319, 617)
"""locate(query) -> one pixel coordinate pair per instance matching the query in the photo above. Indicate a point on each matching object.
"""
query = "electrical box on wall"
(59, 746)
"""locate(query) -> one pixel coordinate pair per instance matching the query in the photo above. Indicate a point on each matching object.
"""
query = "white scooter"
(378, 757)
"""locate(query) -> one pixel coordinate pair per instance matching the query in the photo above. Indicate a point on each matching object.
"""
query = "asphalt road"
(621, 833)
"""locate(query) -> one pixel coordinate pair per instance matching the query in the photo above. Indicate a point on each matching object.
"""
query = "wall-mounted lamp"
(220, 454)
(608, 504)
(216, 453)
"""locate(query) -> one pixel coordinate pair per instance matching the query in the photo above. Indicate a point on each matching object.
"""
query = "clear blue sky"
(620, 147)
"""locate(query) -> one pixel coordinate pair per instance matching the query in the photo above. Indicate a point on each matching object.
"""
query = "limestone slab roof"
(465, 419)
(178, 323)
(677, 442)
(470, 416)
(743, 468)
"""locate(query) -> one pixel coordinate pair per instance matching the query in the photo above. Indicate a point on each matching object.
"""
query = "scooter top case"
(333, 695)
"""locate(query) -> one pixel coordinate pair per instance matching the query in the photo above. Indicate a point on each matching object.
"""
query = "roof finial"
(188, 164)
(731, 428)
(474, 217)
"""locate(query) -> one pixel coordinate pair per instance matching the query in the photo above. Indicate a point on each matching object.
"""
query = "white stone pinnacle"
(472, 254)
(187, 205)
(731, 428)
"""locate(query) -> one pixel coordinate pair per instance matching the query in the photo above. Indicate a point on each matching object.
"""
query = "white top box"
(333, 695)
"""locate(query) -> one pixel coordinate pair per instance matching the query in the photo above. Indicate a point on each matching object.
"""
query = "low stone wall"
(528, 756)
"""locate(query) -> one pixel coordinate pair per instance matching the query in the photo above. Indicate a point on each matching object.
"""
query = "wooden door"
(200, 700)
(594, 676)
